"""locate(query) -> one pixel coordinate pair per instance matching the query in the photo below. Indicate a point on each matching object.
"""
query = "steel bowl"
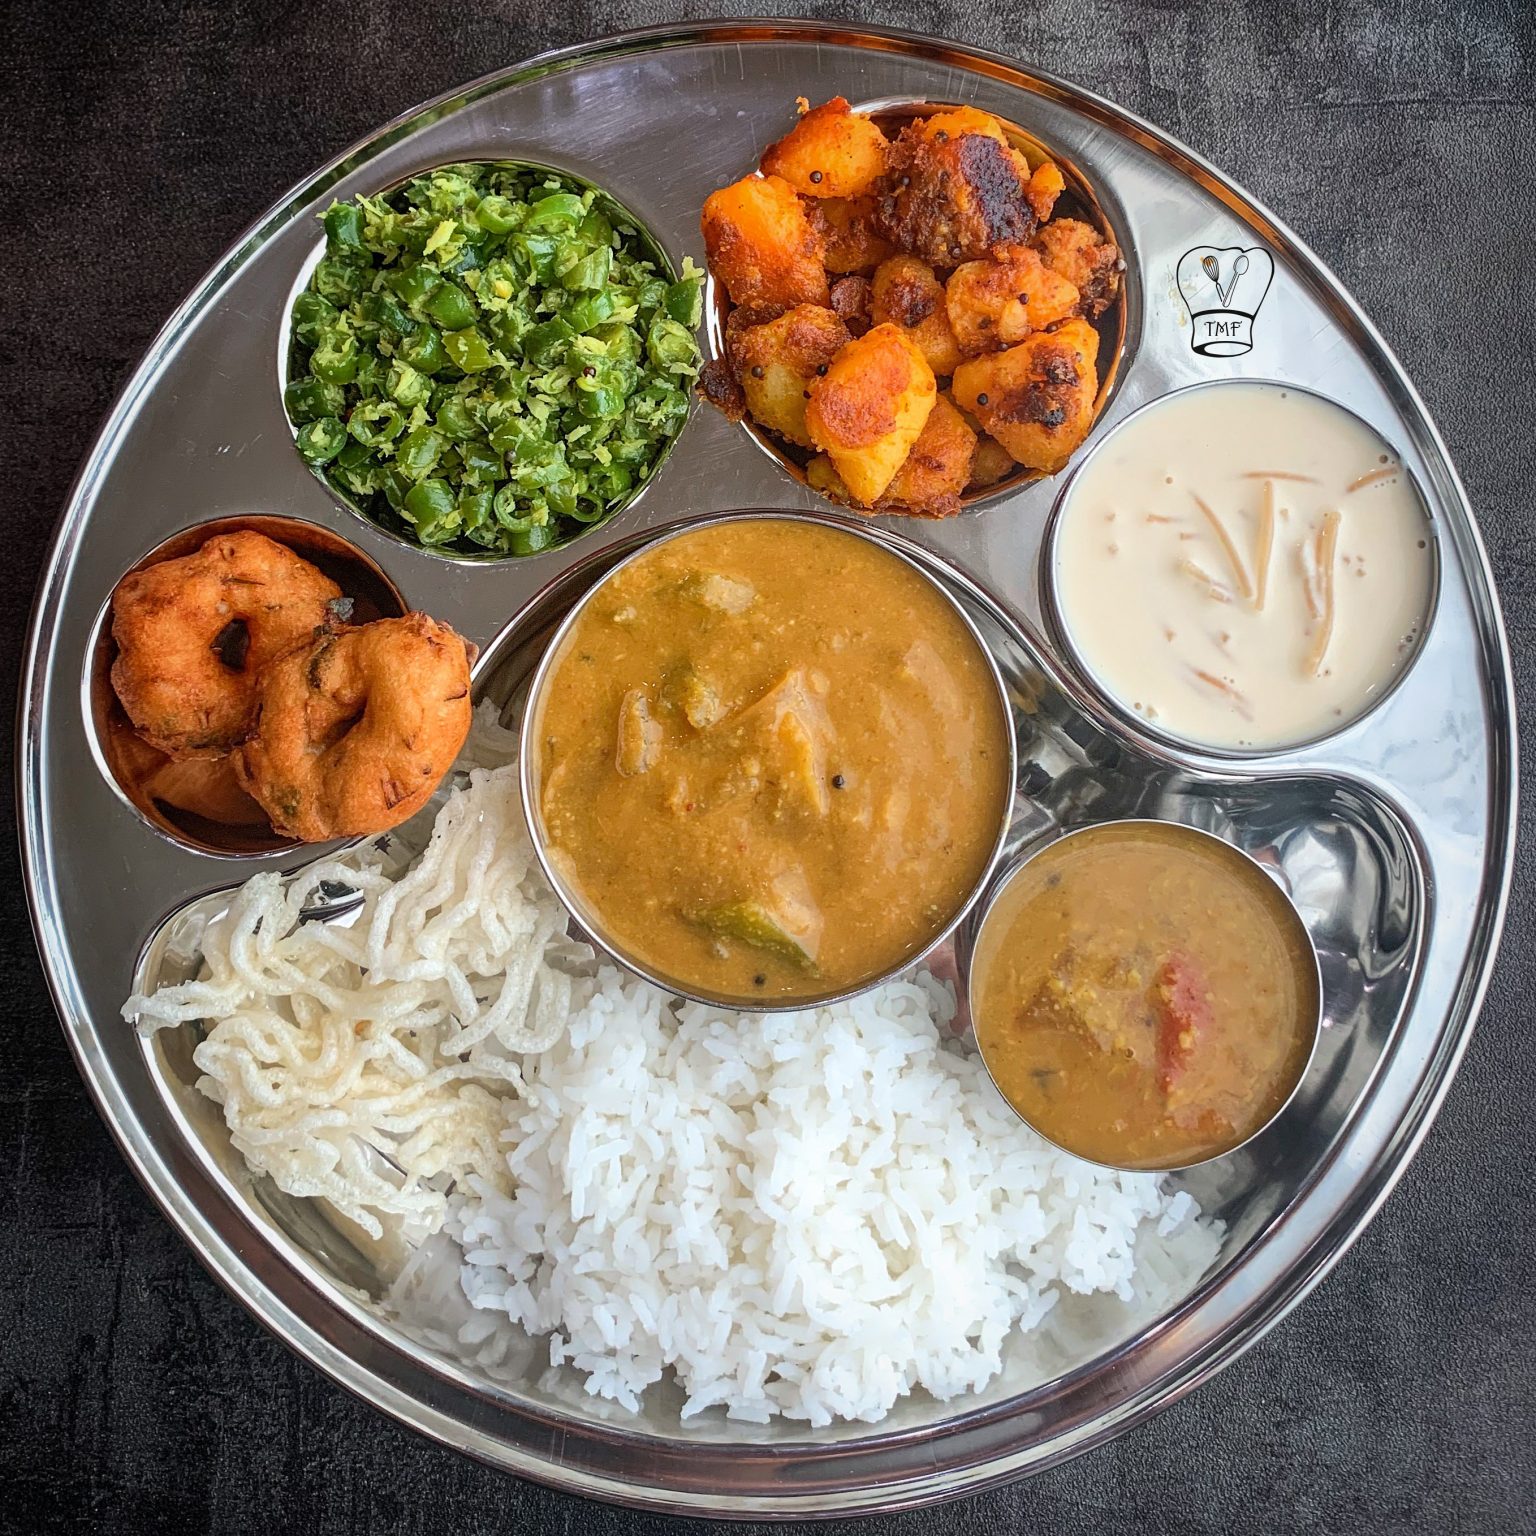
(977, 938)
(558, 873)
(1104, 695)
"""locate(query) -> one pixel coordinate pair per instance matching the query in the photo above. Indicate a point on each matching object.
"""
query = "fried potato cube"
(848, 232)
(776, 363)
(831, 152)
(821, 475)
(934, 473)
(869, 408)
(761, 244)
(990, 463)
(953, 197)
(993, 304)
(905, 293)
(959, 120)
(1036, 398)
(1046, 184)
(1079, 253)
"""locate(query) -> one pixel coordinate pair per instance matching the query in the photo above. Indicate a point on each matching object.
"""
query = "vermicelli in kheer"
(1269, 570)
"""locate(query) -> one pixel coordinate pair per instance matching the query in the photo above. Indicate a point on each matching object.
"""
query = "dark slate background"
(136, 140)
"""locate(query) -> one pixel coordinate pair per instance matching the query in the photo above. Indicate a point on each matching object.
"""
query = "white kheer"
(1244, 565)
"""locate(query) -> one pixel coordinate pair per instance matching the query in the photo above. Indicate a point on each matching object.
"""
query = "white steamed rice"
(804, 1214)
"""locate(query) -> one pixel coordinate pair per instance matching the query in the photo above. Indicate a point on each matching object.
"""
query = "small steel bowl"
(1104, 694)
(649, 244)
(115, 744)
(592, 923)
(971, 951)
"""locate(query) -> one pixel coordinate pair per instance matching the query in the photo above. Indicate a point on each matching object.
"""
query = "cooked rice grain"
(806, 1214)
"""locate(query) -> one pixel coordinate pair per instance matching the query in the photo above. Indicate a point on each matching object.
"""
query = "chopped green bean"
(335, 359)
(344, 230)
(415, 283)
(497, 215)
(428, 505)
(376, 422)
(424, 350)
(556, 210)
(321, 440)
(684, 303)
(490, 358)
(451, 307)
(456, 419)
(311, 316)
(310, 399)
(418, 453)
(468, 351)
(590, 271)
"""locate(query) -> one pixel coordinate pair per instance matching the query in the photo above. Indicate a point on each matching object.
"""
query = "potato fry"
(936, 470)
(777, 363)
(869, 408)
(906, 293)
(1036, 398)
(830, 152)
(996, 304)
(761, 244)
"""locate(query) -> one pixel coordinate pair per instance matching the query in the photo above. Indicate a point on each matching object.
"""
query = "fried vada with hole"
(355, 729)
(193, 635)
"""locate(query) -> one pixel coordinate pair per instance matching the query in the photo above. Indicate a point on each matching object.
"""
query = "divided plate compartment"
(1393, 839)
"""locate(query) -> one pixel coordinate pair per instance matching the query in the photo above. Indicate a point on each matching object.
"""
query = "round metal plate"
(1395, 836)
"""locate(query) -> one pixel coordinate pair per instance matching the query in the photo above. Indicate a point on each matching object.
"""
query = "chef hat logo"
(1223, 287)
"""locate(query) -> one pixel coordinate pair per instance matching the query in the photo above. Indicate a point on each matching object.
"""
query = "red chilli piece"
(1184, 1015)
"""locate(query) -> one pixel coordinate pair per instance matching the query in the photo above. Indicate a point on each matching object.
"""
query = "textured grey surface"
(1401, 142)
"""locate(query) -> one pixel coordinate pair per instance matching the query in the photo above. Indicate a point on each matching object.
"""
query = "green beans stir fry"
(490, 358)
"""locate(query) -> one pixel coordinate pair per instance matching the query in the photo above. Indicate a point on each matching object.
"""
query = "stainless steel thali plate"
(1394, 836)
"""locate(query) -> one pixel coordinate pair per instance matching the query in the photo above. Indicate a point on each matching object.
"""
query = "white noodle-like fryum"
(398, 1032)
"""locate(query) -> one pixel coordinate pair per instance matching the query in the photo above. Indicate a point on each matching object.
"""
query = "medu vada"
(205, 787)
(193, 635)
(355, 729)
